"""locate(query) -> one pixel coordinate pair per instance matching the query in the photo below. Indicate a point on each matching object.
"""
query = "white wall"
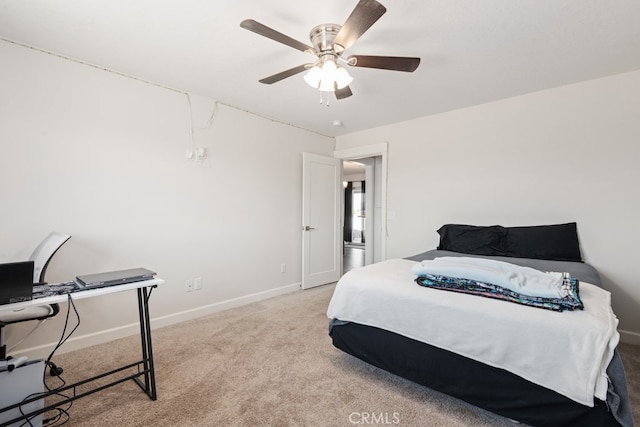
(102, 157)
(560, 155)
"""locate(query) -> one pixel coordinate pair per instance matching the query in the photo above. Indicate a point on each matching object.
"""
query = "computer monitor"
(15, 282)
(44, 252)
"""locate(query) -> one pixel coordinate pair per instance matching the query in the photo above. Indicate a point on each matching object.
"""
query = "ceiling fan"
(329, 42)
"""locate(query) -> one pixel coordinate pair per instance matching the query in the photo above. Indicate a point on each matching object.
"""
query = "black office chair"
(40, 257)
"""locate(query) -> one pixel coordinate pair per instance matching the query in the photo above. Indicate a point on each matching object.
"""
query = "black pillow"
(471, 239)
(557, 242)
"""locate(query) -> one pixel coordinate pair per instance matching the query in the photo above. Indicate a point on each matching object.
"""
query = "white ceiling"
(352, 168)
(473, 51)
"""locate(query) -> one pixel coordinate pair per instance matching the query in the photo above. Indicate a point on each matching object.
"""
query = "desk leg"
(149, 384)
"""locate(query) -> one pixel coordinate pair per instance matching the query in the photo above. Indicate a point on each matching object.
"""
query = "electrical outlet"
(283, 268)
(197, 283)
(188, 285)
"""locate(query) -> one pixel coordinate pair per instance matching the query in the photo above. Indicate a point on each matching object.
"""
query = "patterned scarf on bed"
(570, 302)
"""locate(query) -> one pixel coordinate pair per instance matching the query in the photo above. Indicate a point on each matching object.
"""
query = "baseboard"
(629, 337)
(195, 313)
(87, 340)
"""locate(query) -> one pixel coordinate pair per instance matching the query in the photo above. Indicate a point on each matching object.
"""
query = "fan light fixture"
(328, 44)
(328, 75)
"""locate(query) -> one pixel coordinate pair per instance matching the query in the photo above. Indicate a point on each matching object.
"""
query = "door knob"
(307, 228)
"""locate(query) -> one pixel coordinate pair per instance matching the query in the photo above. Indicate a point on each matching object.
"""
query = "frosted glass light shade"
(327, 77)
(313, 77)
(343, 78)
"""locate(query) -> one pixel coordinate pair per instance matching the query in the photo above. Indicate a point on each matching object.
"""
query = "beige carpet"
(268, 364)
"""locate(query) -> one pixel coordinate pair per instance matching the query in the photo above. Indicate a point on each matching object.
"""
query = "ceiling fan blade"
(284, 74)
(343, 93)
(263, 30)
(395, 63)
(365, 14)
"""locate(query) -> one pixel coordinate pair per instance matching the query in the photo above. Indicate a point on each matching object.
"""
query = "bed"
(535, 366)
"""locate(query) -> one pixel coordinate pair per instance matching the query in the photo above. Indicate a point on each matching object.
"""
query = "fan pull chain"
(322, 101)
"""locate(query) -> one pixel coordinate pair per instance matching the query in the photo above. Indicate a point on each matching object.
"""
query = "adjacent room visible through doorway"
(354, 215)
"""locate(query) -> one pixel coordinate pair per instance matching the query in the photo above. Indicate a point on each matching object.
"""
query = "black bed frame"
(493, 389)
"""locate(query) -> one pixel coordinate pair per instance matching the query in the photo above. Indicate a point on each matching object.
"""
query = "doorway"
(364, 179)
(316, 263)
(374, 159)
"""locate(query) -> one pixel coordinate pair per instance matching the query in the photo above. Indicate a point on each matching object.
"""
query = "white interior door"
(321, 220)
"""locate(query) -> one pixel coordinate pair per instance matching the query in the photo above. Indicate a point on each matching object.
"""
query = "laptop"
(112, 278)
(16, 282)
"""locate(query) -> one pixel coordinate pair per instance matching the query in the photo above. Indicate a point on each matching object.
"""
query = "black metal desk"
(145, 374)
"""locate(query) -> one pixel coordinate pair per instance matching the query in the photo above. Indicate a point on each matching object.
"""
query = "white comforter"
(567, 352)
